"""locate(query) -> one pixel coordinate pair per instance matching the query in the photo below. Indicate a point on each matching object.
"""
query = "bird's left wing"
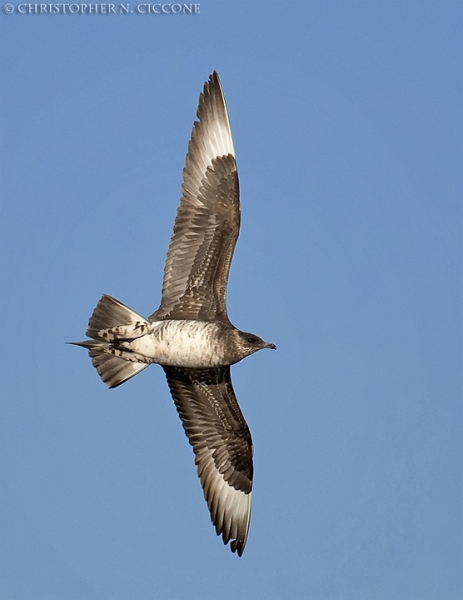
(222, 444)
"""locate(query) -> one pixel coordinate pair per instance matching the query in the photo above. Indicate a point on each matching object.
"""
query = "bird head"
(248, 343)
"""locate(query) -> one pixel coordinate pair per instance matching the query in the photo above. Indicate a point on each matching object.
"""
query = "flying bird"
(190, 335)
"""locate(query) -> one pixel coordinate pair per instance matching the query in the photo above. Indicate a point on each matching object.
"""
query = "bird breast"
(191, 344)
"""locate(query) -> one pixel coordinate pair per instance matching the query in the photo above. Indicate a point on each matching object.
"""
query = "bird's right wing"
(208, 218)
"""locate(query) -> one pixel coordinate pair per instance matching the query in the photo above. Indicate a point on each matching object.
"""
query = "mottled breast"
(192, 344)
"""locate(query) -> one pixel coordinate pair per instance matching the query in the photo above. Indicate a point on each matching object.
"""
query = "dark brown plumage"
(208, 218)
(222, 443)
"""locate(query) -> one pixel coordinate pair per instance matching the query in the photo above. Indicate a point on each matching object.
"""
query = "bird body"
(190, 335)
(192, 343)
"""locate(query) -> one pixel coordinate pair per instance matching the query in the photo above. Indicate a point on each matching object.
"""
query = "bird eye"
(251, 340)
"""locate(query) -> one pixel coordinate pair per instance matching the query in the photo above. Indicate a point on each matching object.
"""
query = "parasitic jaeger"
(190, 335)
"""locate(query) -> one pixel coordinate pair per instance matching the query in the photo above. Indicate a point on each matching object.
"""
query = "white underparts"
(177, 343)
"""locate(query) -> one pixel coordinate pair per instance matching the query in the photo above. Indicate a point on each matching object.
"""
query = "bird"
(190, 335)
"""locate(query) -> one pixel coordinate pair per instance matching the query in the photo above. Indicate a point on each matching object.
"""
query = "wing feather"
(222, 444)
(208, 218)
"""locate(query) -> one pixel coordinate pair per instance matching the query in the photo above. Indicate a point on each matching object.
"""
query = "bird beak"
(272, 346)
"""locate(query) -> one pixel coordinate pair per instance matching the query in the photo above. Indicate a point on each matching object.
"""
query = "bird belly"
(192, 344)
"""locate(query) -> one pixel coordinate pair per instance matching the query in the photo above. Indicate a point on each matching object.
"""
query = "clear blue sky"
(347, 120)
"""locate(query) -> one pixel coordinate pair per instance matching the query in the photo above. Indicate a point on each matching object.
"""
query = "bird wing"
(222, 444)
(208, 218)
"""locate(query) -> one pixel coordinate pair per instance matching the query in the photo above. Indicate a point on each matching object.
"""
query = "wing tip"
(238, 546)
(236, 532)
(214, 80)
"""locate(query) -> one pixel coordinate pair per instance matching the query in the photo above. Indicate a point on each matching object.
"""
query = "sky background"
(347, 122)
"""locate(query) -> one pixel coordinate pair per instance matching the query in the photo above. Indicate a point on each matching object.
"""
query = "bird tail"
(111, 321)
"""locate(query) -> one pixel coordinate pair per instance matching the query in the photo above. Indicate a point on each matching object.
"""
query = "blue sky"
(347, 121)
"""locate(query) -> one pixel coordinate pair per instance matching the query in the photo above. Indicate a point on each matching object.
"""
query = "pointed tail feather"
(112, 369)
(112, 320)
